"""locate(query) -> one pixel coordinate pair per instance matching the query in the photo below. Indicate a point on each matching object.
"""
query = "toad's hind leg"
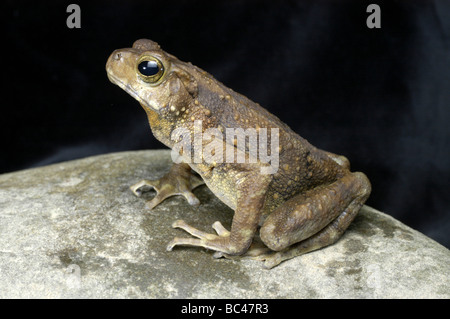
(313, 220)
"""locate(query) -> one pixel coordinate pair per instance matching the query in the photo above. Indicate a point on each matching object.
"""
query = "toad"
(303, 203)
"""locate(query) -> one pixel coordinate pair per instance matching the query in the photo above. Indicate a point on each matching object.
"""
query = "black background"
(381, 97)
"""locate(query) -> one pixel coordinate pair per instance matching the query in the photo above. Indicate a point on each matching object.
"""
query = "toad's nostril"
(117, 56)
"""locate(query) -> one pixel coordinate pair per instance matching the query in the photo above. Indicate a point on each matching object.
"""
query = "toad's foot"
(178, 181)
(219, 242)
(271, 258)
(257, 251)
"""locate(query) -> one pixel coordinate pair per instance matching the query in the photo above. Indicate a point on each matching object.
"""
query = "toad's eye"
(150, 69)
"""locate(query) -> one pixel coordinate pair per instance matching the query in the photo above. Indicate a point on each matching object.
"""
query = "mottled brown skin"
(307, 204)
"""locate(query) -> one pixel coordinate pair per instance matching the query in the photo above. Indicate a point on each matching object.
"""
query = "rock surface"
(75, 230)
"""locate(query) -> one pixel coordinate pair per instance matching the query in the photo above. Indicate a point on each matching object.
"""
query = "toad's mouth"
(126, 87)
(129, 89)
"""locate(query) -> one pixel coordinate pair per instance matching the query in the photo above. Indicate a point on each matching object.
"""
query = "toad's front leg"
(180, 180)
(251, 192)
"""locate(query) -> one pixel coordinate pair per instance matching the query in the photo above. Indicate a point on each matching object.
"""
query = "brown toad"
(300, 198)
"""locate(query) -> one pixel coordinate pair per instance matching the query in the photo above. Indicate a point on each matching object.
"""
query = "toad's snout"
(120, 65)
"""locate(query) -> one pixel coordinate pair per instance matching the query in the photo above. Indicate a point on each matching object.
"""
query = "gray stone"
(75, 230)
